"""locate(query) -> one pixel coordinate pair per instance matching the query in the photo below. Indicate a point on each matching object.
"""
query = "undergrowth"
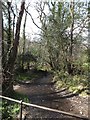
(29, 75)
(74, 83)
(10, 109)
(25, 76)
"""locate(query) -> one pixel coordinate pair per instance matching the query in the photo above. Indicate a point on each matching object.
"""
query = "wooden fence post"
(21, 110)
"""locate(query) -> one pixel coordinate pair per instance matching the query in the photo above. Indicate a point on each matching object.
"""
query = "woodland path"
(42, 92)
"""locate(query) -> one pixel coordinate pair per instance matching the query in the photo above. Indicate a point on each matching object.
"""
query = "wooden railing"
(42, 107)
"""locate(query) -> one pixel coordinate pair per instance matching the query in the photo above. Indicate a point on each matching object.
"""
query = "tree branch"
(34, 21)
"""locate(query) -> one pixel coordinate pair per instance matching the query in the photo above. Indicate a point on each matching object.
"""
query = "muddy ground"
(43, 92)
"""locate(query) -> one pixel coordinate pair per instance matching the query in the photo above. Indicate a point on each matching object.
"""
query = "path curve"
(42, 92)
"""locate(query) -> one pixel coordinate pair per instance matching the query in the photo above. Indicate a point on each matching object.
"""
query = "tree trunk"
(69, 65)
(89, 47)
(9, 26)
(0, 48)
(24, 38)
(9, 67)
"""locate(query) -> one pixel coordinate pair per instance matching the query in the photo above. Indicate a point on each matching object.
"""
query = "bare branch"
(34, 21)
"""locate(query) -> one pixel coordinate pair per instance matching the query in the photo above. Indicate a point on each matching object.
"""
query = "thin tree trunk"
(69, 65)
(13, 25)
(0, 48)
(3, 52)
(9, 26)
(24, 38)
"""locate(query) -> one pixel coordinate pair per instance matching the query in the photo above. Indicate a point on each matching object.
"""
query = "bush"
(9, 111)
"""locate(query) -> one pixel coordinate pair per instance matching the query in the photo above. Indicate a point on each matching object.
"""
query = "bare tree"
(9, 66)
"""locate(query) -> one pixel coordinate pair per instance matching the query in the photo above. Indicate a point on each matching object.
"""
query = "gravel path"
(42, 92)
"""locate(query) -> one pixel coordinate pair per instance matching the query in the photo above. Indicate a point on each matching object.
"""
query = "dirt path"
(42, 92)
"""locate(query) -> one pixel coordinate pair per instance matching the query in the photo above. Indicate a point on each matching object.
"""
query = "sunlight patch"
(16, 87)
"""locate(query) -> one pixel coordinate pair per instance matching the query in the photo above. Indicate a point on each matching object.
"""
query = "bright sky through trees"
(31, 29)
(30, 26)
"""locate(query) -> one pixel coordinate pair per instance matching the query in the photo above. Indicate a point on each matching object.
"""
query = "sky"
(31, 29)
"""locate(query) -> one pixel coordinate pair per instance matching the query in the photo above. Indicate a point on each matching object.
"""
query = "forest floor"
(43, 92)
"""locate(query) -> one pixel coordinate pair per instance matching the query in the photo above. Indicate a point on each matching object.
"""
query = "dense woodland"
(61, 46)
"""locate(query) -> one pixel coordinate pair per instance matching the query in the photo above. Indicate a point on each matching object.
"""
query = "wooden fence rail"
(42, 107)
